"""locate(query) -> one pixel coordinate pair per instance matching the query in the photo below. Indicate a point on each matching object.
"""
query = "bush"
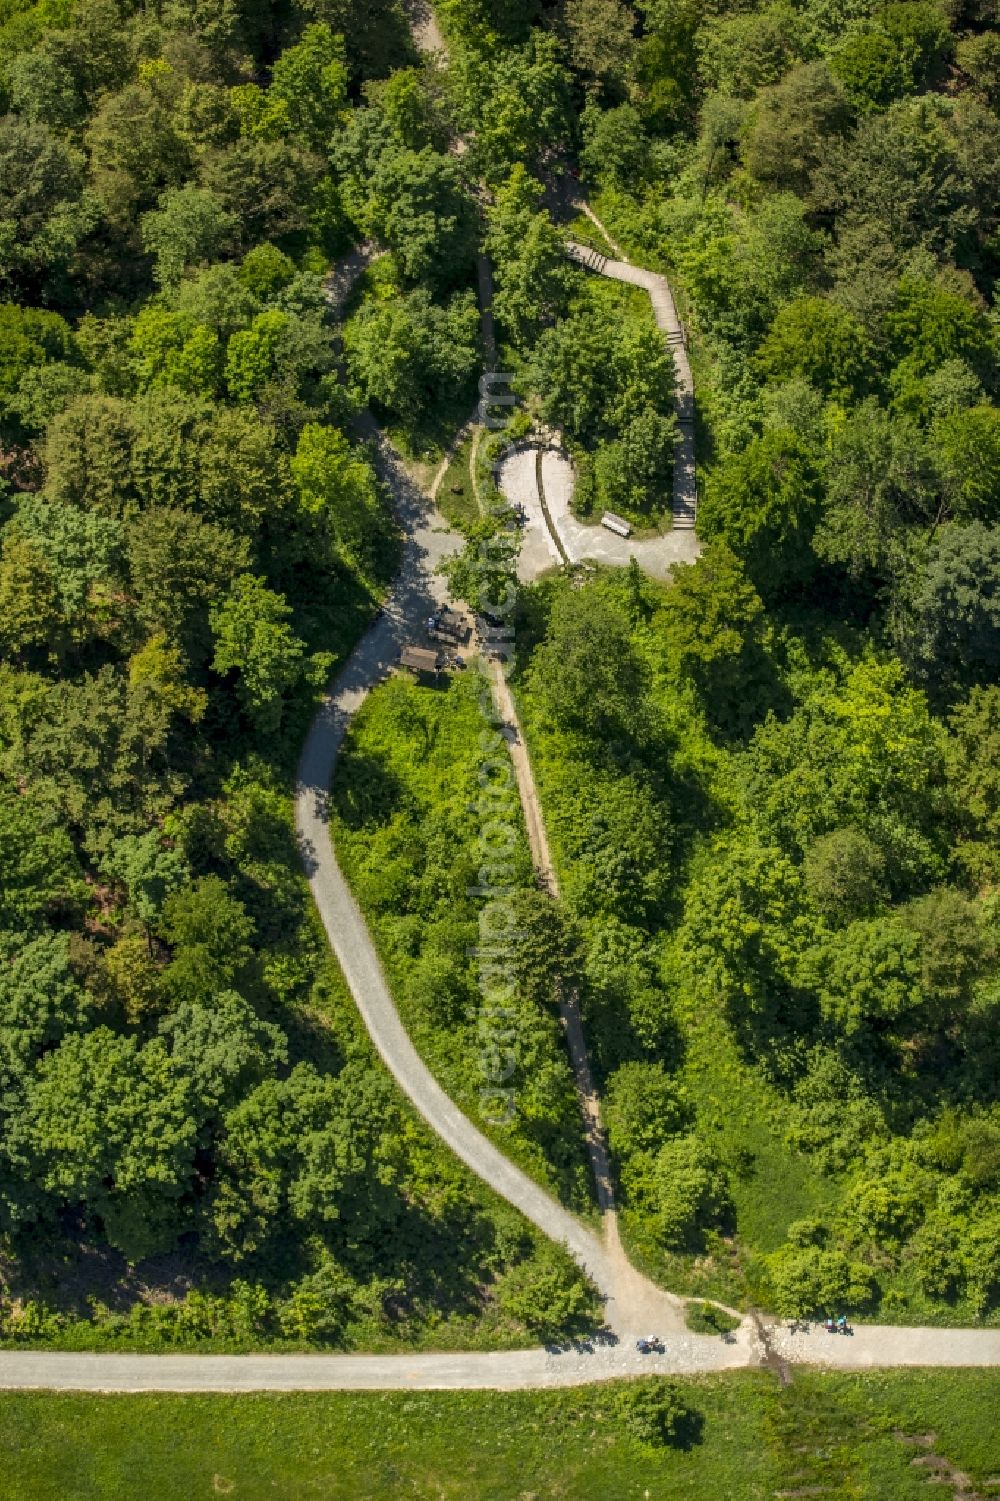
(655, 1413)
(708, 1318)
(547, 1295)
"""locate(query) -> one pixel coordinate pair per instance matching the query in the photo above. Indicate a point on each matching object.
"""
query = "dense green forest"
(772, 786)
(197, 1144)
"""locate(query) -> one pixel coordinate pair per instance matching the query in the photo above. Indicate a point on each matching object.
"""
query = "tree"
(617, 836)
(880, 481)
(181, 568)
(408, 353)
(643, 1106)
(40, 1000)
(789, 121)
(616, 148)
(309, 85)
(954, 947)
(484, 573)
(252, 637)
(955, 611)
(518, 105)
(810, 1281)
(764, 503)
(311, 1150)
(929, 323)
(813, 338)
(741, 54)
(863, 751)
(335, 483)
(149, 870)
(710, 624)
(666, 65)
(978, 58)
(265, 269)
(223, 1049)
(422, 212)
(548, 1294)
(252, 354)
(903, 181)
(31, 617)
(243, 472)
(595, 375)
(973, 765)
(410, 108)
(966, 454)
(267, 185)
(40, 874)
(601, 38)
(88, 455)
(634, 473)
(744, 926)
(680, 1190)
(657, 1414)
(869, 977)
(845, 874)
(80, 553)
(44, 211)
(29, 338)
(901, 53)
(135, 152)
(107, 1124)
(189, 226)
(529, 263)
(586, 672)
(210, 933)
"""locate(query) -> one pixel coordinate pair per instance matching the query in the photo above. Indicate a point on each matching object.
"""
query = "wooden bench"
(616, 524)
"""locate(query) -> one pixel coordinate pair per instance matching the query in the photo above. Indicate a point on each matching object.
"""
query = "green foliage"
(710, 625)
(531, 279)
(253, 638)
(764, 503)
(813, 338)
(844, 873)
(782, 142)
(407, 353)
(956, 606)
(549, 1296)
(190, 227)
(707, 1318)
(809, 1281)
(44, 212)
(642, 1107)
(903, 50)
(587, 672)
(656, 1414)
(595, 376)
(678, 1190)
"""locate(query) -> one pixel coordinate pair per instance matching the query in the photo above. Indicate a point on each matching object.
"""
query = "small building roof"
(420, 659)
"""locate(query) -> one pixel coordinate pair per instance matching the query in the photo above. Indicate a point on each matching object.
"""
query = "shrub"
(655, 1413)
(708, 1318)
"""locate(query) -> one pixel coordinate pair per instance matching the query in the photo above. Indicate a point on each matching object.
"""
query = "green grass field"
(457, 497)
(833, 1436)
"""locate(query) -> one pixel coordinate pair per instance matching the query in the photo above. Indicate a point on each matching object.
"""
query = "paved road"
(687, 1354)
(497, 1371)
